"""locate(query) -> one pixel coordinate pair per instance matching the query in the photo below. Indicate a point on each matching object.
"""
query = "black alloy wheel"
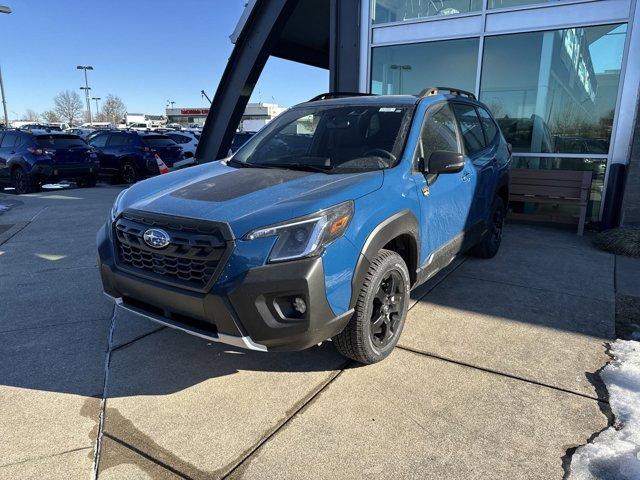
(21, 181)
(380, 311)
(388, 305)
(128, 173)
(490, 243)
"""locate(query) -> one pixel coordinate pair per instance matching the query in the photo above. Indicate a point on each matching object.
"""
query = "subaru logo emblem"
(156, 238)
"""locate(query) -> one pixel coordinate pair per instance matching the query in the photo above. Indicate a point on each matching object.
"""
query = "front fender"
(403, 222)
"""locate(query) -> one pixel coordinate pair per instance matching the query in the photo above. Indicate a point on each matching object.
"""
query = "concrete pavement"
(495, 376)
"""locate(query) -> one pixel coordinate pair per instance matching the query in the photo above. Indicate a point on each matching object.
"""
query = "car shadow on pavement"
(167, 361)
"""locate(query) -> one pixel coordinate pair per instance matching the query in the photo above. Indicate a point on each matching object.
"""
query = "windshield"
(60, 141)
(329, 138)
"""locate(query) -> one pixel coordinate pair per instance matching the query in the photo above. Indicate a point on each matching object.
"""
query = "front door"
(446, 199)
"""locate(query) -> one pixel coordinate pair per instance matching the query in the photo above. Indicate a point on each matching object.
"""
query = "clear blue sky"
(145, 51)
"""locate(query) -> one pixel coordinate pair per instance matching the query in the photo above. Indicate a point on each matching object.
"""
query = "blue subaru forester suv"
(317, 228)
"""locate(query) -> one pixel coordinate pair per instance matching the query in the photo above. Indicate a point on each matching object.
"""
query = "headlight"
(115, 209)
(306, 236)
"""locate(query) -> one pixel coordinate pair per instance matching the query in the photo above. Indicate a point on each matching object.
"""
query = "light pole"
(400, 68)
(6, 10)
(97, 109)
(86, 88)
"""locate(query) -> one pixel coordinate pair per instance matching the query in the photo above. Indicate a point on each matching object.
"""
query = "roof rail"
(428, 92)
(329, 95)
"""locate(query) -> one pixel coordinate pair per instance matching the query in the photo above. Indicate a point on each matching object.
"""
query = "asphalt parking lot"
(495, 376)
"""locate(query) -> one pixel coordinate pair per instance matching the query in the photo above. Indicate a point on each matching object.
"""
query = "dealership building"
(256, 116)
(561, 77)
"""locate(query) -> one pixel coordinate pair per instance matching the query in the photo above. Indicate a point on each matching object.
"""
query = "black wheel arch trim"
(400, 223)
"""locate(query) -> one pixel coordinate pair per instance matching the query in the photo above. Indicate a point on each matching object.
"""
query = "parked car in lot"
(81, 132)
(187, 140)
(239, 139)
(29, 159)
(317, 228)
(129, 155)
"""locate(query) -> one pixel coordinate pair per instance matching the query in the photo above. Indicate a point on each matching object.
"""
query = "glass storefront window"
(410, 68)
(386, 11)
(516, 3)
(597, 165)
(554, 91)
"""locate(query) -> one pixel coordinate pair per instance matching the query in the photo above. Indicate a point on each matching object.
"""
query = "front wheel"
(490, 243)
(22, 181)
(128, 172)
(380, 312)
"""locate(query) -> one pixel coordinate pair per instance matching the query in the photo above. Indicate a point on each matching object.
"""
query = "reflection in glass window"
(439, 132)
(562, 95)
(515, 3)
(597, 165)
(408, 69)
(470, 128)
(400, 10)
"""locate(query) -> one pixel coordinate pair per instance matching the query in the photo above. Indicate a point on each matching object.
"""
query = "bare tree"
(31, 116)
(113, 109)
(68, 106)
(50, 116)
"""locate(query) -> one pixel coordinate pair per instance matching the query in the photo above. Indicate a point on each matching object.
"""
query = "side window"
(439, 131)
(9, 140)
(488, 125)
(470, 127)
(99, 141)
(118, 140)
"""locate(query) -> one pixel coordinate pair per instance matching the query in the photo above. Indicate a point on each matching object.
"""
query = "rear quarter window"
(157, 141)
(488, 125)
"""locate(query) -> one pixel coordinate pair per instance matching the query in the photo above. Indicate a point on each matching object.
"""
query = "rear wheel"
(87, 182)
(380, 312)
(128, 172)
(490, 244)
(22, 181)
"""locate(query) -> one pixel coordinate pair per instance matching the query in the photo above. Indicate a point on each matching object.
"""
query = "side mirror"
(442, 161)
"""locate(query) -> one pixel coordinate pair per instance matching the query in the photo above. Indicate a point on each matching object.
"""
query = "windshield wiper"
(238, 163)
(300, 166)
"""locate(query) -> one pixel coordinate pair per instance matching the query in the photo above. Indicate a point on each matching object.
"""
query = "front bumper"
(255, 313)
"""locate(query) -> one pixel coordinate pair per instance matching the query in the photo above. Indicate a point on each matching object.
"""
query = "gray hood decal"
(237, 184)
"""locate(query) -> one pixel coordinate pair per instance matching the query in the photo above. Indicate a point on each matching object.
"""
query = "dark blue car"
(29, 159)
(129, 156)
(317, 228)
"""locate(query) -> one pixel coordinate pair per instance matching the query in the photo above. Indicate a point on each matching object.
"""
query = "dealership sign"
(194, 111)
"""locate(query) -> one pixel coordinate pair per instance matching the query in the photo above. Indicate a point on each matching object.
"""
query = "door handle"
(466, 177)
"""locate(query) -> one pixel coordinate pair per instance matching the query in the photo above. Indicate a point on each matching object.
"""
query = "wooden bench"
(557, 187)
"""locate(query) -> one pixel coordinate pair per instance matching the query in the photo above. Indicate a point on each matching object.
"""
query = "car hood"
(246, 198)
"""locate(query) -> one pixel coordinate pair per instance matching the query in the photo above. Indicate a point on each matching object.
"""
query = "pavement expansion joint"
(301, 407)
(103, 401)
(502, 374)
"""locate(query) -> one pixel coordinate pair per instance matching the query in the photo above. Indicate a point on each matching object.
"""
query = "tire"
(128, 172)
(379, 302)
(22, 181)
(87, 182)
(490, 243)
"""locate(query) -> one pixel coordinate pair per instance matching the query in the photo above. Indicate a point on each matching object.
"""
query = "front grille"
(193, 259)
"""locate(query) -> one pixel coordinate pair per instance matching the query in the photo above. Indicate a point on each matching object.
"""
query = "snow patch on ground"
(615, 453)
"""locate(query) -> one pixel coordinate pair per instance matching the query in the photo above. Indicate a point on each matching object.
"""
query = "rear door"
(445, 199)
(482, 156)
(8, 142)
(118, 145)
(99, 142)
